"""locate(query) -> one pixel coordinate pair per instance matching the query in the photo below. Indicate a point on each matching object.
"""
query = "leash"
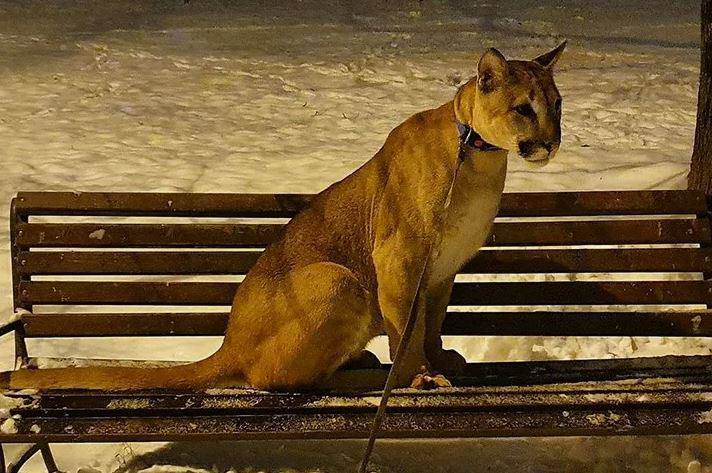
(397, 361)
(468, 138)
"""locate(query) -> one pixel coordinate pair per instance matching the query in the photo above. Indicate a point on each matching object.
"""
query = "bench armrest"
(10, 327)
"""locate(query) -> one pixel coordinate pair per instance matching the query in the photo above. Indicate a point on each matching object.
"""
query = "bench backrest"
(106, 252)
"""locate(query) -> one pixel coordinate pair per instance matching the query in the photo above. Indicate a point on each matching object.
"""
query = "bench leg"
(25, 457)
(48, 458)
(29, 453)
(21, 357)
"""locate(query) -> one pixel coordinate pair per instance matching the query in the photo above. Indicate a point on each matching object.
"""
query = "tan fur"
(346, 267)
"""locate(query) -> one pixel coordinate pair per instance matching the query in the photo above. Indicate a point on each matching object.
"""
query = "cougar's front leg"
(437, 299)
(398, 266)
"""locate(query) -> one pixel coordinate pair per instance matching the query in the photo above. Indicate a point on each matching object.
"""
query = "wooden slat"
(600, 420)
(591, 397)
(582, 293)
(603, 203)
(527, 373)
(127, 263)
(659, 387)
(687, 372)
(121, 324)
(591, 260)
(601, 232)
(675, 324)
(492, 261)
(88, 235)
(285, 205)
(481, 293)
(123, 263)
(589, 324)
(245, 401)
(161, 204)
(146, 235)
(143, 293)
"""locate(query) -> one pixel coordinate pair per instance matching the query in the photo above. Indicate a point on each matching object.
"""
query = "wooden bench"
(646, 236)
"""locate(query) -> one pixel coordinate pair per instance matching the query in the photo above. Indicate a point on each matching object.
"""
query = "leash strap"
(405, 337)
(397, 361)
(468, 138)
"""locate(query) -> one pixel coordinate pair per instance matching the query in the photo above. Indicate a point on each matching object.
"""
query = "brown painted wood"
(285, 205)
(146, 235)
(161, 204)
(214, 404)
(89, 235)
(480, 293)
(513, 410)
(143, 293)
(512, 398)
(603, 203)
(561, 396)
(538, 323)
(122, 324)
(17, 275)
(657, 390)
(606, 418)
(200, 405)
(526, 373)
(531, 376)
(126, 263)
(591, 260)
(563, 324)
(601, 232)
(582, 293)
(491, 261)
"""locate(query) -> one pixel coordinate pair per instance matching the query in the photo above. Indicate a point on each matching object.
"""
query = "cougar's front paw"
(449, 361)
(429, 380)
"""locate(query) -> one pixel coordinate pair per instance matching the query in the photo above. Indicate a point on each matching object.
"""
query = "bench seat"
(665, 395)
(592, 264)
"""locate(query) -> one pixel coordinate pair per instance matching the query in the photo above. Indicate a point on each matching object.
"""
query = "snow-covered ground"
(288, 97)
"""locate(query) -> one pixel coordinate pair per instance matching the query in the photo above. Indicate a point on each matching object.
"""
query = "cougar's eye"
(525, 110)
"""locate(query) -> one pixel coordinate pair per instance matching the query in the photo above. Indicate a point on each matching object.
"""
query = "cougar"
(346, 268)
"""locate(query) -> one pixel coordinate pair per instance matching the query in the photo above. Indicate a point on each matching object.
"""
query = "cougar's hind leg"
(327, 319)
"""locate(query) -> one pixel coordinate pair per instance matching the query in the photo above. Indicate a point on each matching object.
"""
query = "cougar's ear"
(491, 70)
(549, 59)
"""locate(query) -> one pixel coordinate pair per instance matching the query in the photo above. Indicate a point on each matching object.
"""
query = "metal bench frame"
(672, 394)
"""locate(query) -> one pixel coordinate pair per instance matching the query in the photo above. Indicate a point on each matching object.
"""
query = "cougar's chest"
(473, 207)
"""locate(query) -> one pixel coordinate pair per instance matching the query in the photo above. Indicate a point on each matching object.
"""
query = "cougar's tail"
(201, 374)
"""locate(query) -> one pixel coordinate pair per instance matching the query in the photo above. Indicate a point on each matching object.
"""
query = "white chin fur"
(538, 159)
(539, 163)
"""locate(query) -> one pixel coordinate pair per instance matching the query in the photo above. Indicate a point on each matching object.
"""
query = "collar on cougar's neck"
(469, 137)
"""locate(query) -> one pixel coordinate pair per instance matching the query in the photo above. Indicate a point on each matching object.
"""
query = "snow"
(8, 426)
(17, 315)
(256, 97)
(172, 469)
(97, 234)
(7, 403)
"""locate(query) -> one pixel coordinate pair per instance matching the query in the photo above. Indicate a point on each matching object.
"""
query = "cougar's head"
(515, 104)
